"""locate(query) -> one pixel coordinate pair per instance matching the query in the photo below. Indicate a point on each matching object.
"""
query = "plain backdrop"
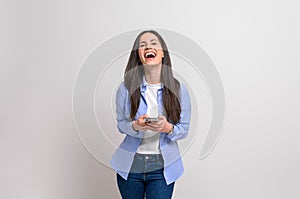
(253, 43)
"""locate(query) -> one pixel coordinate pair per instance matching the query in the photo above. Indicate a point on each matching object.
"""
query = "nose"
(148, 47)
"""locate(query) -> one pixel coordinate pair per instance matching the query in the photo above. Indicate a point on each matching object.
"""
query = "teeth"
(149, 54)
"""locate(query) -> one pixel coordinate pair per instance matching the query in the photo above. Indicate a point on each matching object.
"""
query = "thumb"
(162, 117)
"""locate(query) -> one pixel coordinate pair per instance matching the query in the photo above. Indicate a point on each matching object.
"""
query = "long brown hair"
(171, 87)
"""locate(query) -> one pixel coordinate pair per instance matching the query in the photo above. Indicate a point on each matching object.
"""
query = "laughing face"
(150, 49)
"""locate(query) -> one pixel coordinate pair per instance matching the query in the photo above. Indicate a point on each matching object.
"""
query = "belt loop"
(159, 157)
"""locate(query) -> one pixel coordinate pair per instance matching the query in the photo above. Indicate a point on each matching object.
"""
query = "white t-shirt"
(150, 142)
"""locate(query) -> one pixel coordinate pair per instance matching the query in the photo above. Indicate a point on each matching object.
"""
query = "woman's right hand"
(139, 124)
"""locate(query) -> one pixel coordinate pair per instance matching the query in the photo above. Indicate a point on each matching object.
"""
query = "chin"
(152, 64)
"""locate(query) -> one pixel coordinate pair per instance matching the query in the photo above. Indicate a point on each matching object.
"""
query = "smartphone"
(151, 119)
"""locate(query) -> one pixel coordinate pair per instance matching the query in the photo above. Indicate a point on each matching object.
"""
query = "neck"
(152, 74)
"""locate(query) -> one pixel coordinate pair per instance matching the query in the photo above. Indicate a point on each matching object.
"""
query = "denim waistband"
(144, 163)
(148, 157)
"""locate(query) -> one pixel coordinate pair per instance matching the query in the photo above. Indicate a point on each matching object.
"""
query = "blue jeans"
(146, 179)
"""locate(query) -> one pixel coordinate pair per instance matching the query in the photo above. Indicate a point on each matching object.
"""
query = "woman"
(148, 160)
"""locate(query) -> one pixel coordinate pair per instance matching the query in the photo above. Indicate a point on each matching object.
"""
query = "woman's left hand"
(161, 126)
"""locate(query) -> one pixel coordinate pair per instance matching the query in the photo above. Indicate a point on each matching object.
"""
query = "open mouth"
(149, 55)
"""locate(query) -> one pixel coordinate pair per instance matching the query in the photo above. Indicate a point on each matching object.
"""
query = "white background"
(254, 45)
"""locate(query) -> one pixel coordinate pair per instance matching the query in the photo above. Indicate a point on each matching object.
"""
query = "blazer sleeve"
(124, 123)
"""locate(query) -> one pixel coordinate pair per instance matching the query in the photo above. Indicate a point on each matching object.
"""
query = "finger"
(145, 128)
(161, 117)
(145, 116)
(141, 122)
(160, 122)
(151, 124)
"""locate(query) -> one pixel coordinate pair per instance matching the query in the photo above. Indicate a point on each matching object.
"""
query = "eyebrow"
(150, 40)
